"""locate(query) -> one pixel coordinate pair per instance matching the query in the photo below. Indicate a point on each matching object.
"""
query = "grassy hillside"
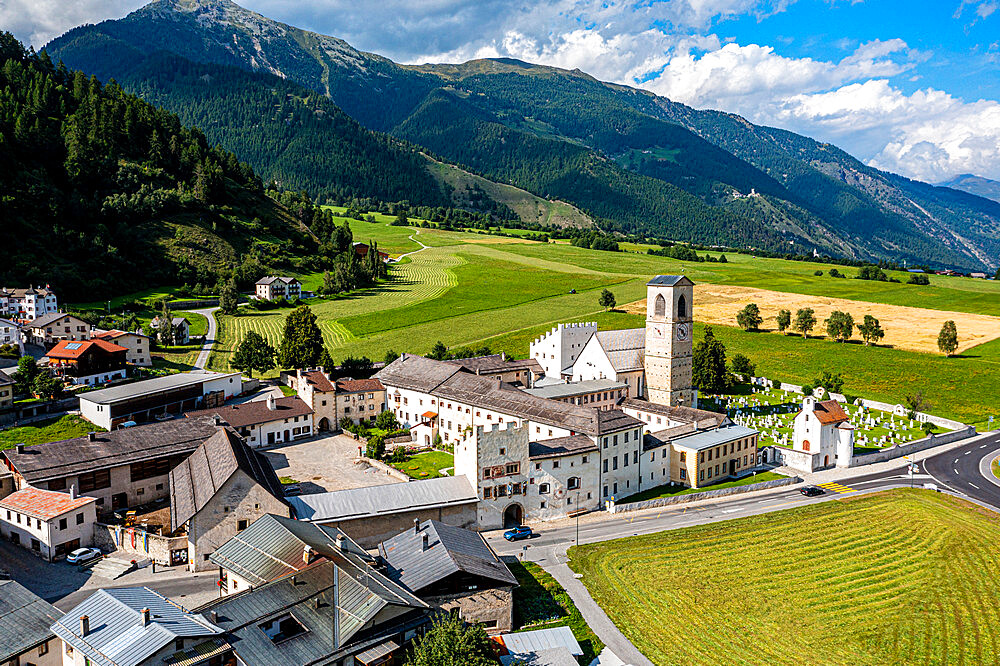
(900, 577)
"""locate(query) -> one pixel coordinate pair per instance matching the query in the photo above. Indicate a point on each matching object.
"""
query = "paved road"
(962, 469)
(210, 333)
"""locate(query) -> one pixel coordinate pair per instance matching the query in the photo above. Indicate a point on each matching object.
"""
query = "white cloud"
(38, 21)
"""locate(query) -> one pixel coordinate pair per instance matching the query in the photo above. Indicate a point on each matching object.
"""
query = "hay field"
(912, 328)
(900, 577)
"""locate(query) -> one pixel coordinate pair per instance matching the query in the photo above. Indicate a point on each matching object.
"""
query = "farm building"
(266, 422)
(141, 401)
(272, 287)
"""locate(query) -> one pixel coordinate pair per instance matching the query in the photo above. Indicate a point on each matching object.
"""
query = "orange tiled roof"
(44, 504)
(830, 411)
(359, 385)
(75, 349)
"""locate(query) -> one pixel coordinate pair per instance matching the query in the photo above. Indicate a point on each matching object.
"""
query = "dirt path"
(910, 328)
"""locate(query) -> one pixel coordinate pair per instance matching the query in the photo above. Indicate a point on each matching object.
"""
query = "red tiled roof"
(107, 335)
(75, 349)
(429, 415)
(44, 504)
(318, 379)
(830, 411)
(359, 385)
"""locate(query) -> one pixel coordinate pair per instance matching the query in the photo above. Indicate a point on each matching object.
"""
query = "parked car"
(81, 555)
(811, 491)
(518, 533)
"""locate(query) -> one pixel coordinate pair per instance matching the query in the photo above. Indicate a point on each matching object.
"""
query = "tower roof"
(669, 281)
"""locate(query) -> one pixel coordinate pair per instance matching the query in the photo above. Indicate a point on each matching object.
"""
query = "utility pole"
(578, 518)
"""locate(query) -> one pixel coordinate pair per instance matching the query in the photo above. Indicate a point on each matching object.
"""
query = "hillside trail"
(417, 241)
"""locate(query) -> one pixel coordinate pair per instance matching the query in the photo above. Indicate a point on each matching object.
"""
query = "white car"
(81, 555)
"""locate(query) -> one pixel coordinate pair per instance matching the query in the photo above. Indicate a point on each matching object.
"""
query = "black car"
(811, 491)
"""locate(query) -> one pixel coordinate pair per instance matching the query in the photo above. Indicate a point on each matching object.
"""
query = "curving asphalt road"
(965, 470)
(210, 333)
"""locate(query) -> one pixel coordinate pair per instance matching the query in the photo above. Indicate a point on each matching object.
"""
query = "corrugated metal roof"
(561, 446)
(449, 550)
(526, 642)
(115, 394)
(559, 656)
(708, 438)
(24, 620)
(117, 636)
(383, 499)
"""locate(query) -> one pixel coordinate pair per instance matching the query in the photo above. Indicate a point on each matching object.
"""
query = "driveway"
(210, 334)
(325, 463)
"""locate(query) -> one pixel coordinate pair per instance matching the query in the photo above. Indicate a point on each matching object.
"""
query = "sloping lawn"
(49, 430)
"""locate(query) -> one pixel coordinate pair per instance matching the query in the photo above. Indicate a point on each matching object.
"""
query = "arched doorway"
(324, 424)
(513, 515)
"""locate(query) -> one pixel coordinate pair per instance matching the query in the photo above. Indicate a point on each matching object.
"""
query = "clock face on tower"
(682, 332)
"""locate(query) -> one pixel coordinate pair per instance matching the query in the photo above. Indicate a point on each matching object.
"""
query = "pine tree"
(229, 298)
(708, 364)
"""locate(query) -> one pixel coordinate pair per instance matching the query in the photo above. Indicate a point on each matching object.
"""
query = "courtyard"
(324, 464)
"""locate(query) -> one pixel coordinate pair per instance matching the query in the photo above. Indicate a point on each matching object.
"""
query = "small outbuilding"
(48, 522)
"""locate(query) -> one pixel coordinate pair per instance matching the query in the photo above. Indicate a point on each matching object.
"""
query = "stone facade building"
(823, 432)
(52, 524)
(332, 399)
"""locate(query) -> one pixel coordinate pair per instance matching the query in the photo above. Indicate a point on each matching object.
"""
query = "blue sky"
(907, 86)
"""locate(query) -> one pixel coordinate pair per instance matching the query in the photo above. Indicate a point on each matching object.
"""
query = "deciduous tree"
(948, 338)
(253, 353)
(743, 367)
(840, 325)
(606, 300)
(784, 320)
(301, 341)
(870, 330)
(805, 321)
(386, 420)
(749, 318)
(450, 642)
(708, 365)
(229, 298)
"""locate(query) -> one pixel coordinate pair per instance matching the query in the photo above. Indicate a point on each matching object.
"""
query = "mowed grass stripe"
(899, 577)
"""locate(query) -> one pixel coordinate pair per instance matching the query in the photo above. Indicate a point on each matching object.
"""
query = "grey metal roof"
(526, 642)
(449, 550)
(312, 596)
(385, 499)
(117, 636)
(5, 379)
(45, 320)
(273, 546)
(55, 460)
(669, 280)
(24, 620)
(496, 363)
(116, 394)
(557, 391)
(416, 372)
(194, 482)
(557, 656)
(561, 446)
(705, 439)
(679, 414)
(626, 348)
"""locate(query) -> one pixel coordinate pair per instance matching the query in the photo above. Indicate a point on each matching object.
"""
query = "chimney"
(72, 491)
(271, 404)
(213, 616)
(91, 436)
(416, 526)
(426, 541)
(340, 542)
(84, 625)
(145, 617)
(20, 448)
(307, 554)
(218, 420)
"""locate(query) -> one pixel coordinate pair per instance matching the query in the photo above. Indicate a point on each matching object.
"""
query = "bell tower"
(669, 345)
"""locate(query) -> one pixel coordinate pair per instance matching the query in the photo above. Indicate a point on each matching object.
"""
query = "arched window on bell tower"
(659, 306)
(682, 311)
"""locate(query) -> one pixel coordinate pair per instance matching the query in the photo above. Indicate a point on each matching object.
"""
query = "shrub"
(817, 273)
(807, 389)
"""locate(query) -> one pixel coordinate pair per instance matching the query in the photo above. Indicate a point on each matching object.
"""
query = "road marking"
(967, 453)
(983, 446)
(973, 485)
(731, 510)
(956, 461)
(837, 487)
(955, 471)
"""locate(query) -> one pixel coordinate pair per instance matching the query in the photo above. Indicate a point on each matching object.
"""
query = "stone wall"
(114, 538)
(799, 460)
(369, 532)
(913, 447)
(708, 494)
(493, 608)
(387, 469)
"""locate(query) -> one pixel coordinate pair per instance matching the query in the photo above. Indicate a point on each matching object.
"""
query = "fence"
(708, 494)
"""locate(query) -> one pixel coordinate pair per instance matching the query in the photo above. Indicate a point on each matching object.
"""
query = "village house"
(218, 491)
(122, 468)
(6, 391)
(27, 304)
(141, 401)
(49, 523)
(274, 287)
(135, 626)
(362, 250)
(518, 372)
(137, 345)
(452, 568)
(333, 399)
(10, 334)
(47, 330)
(180, 329)
(266, 422)
(25, 636)
(284, 581)
(89, 362)
(597, 393)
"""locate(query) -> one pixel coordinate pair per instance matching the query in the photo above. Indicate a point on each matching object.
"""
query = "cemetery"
(770, 410)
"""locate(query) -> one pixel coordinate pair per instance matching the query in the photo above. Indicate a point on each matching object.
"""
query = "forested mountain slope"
(104, 193)
(640, 162)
